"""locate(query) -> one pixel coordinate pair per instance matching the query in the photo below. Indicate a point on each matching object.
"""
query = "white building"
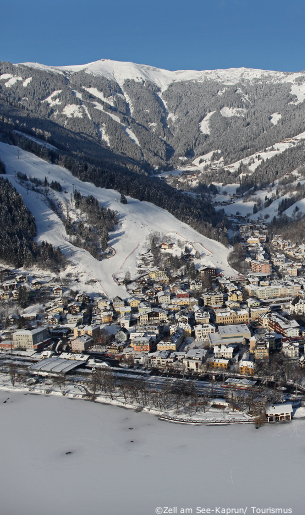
(203, 330)
(223, 351)
(291, 350)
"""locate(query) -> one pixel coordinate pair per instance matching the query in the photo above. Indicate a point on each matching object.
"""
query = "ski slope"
(136, 221)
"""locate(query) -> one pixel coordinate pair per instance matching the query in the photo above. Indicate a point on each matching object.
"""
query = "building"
(208, 271)
(91, 330)
(26, 339)
(201, 317)
(280, 324)
(230, 334)
(291, 350)
(106, 317)
(173, 343)
(231, 316)
(235, 295)
(142, 343)
(246, 368)
(134, 303)
(255, 312)
(297, 306)
(117, 303)
(203, 330)
(81, 343)
(261, 267)
(153, 316)
(281, 290)
(213, 299)
(194, 359)
(223, 351)
(279, 412)
(261, 351)
(218, 363)
(158, 275)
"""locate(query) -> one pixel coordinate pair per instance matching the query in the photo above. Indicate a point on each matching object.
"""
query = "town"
(186, 339)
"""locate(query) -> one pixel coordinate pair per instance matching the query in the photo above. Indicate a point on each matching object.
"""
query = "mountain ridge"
(109, 67)
(158, 117)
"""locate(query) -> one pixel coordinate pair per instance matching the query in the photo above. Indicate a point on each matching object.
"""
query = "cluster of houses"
(168, 321)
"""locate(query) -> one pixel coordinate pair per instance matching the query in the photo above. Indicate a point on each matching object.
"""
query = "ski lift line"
(128, 256)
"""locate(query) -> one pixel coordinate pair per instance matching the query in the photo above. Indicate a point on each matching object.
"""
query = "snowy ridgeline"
(137, 220)
(158, 115)
(60, 456)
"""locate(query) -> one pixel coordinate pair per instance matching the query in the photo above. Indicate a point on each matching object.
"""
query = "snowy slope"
(120, 71)
(137, 221)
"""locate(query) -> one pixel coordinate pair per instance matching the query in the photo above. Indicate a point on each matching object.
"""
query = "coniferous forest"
(17, 232)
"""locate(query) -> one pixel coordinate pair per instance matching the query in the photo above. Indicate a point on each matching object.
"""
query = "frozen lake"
(124, 463)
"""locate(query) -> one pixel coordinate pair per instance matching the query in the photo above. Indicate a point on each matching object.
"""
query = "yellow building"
(231, 316)
(235, 295)
(219, 363)
(106, 317)
(134, 303)
(158, 275)
(246, 368)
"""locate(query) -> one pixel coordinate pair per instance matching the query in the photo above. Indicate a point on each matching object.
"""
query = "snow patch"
(131, 135)
(86, 111)
(204, 125)
(6, 76)
(98, 94)
(299, 91)
(228, 112)
(172, 117)
(12, 81)
(101, 108)
(27, 82)
(275, 118)
(221, 92)
(77, 94)
(102, 132)
(73, 111)
(206, 158)
(127, 130)
(52, 100)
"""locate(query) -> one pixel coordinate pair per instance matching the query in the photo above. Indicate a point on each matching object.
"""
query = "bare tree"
(60, 380)
(13, 371)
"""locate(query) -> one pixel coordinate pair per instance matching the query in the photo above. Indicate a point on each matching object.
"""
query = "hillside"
(137, 220)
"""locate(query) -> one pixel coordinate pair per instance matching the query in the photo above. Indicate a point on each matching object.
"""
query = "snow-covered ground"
(71, 457)
(137, 221)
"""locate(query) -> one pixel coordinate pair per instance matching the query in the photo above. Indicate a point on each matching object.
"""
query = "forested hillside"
(197, 212)
(156, 118)
(17, 230)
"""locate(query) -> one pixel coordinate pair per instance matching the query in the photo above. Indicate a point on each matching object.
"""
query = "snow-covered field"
(137, 221)
(71, 457)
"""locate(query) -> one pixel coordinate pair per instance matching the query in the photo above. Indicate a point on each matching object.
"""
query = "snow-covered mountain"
(155, 117)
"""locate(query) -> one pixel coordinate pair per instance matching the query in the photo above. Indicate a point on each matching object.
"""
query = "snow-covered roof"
(278, 409)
